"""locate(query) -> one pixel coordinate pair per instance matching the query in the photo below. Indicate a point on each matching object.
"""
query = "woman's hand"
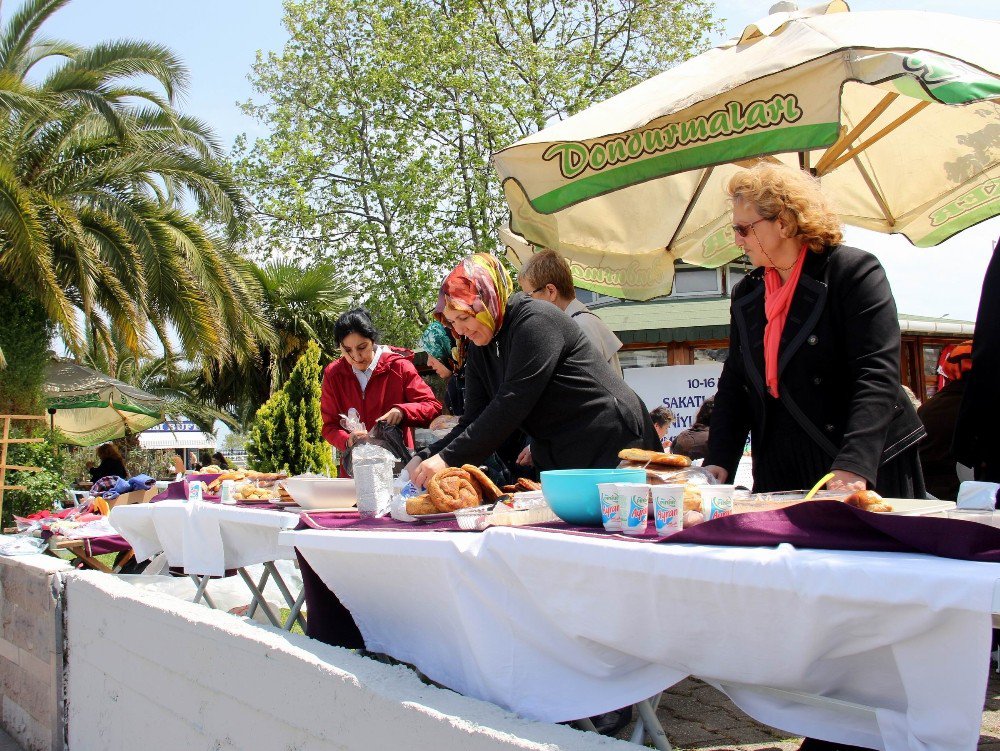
(356, 436)
(846, 481)
(524, 458)
(393, 417)
(427, 469)
(411, 467)
(720, 474)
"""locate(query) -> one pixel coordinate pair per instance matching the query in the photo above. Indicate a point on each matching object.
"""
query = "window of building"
(709, 354)
(696, 282)
(642, 358)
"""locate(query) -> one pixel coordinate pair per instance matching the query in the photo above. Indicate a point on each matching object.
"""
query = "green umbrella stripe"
(792, 138)
(78, 403)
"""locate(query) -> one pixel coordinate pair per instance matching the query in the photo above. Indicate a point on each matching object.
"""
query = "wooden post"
(3, 453)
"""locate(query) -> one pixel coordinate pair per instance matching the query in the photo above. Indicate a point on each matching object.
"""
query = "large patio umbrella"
(91, 407)
(897, 112)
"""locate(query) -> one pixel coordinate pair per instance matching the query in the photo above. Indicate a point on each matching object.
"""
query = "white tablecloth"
(557, 627)
(204, 538)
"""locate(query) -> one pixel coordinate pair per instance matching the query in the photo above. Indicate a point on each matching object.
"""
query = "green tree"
(287, 432)
(383, 115)
(96, 170)
(300, 304)
(24, 337)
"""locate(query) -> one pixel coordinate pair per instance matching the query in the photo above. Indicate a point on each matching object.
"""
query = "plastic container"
(372, 470)
(573, 495)
(227, 493)
(196, 491)
(322, 492)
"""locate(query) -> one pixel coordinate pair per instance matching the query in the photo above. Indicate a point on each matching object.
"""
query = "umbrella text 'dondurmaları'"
(897, 112)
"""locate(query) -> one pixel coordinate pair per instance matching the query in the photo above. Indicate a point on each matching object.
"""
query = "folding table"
(212, 540)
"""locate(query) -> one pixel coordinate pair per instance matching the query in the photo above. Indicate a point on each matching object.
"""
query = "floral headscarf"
(479, 285)
(437, 342)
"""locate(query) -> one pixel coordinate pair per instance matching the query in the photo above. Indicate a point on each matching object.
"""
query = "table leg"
(120, 564)
(586, 724)
(296, 613)
(201, 592)
(652, 725)
(259, 597)
(92, 562)
(260, 586)
(286, 593)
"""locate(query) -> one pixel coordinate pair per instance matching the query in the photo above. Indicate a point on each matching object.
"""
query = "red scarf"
(777, 301)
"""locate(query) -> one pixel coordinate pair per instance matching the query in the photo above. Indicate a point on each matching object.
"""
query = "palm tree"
(96, 173)
(301, 305)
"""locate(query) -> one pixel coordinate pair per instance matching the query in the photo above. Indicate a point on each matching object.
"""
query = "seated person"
(220, 461)
(111, 463)
(693, 442)
(939, 415)
(662, 418)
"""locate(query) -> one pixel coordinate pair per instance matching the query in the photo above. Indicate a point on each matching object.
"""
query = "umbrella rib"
(851, 153)
(841, 144)
(690, 207)
(879, 199)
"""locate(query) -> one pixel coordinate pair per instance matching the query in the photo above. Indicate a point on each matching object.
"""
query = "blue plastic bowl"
(573, 496)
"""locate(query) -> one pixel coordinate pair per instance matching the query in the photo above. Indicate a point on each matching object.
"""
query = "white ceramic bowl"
(321, 492)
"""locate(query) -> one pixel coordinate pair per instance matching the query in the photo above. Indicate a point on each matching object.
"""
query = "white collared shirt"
(364, 376)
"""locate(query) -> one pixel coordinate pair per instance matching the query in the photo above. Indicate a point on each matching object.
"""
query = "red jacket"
(394, 383)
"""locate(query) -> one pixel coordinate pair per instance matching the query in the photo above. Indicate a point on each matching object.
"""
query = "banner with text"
(680, 388)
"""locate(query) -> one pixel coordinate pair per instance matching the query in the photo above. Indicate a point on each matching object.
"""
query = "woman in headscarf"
(444, 358)
(530, 367)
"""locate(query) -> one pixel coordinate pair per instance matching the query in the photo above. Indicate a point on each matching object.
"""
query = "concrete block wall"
(31, 651)
(149, 671)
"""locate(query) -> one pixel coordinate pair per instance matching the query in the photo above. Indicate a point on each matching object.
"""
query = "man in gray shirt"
(547, 276)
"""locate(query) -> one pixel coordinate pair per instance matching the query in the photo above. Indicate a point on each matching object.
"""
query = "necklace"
(776, 266)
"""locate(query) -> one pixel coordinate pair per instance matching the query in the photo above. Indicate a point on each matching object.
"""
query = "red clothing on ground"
(394, 383)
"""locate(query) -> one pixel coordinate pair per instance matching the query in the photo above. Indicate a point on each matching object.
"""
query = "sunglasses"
(744, 229)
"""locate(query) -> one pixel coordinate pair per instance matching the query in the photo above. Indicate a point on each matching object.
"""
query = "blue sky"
(219, 40)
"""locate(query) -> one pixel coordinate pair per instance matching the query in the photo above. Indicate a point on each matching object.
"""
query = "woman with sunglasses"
(529, 366)
(813, 369)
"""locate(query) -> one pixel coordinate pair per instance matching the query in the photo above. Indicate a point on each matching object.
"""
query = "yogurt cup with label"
(634, 510)
(668, 509)
(717, 501)
(610, 506)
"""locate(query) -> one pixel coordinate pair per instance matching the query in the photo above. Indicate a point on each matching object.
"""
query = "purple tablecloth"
(104, 545)
(825, 525)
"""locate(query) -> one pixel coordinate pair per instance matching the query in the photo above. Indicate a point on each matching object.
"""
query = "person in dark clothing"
(444, 358)
(111, 463)
(530, 367)
(693, 442)
(939, 414)
(813, 369)
(219, 460)
(977, 432)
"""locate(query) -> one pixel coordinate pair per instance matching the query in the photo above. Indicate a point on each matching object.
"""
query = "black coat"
(541, 373)
(838, 370)
(977, 433)
(938, 414)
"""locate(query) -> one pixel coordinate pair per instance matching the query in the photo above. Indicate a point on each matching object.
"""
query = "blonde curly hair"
(777, 191)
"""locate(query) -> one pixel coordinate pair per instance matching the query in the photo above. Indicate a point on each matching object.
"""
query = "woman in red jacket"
(380, 384)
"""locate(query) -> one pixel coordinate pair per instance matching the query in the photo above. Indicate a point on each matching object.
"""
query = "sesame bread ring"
(452, 489)
(654, 457)
(487, 489)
